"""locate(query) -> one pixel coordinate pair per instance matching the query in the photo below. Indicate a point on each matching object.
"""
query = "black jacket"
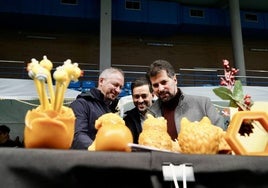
(88, 107)
(133, 122)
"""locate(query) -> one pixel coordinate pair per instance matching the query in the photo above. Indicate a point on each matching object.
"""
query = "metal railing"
(186, 76)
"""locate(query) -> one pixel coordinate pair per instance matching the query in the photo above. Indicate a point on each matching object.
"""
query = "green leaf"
(238, 91)
(233, 104)
(223, 92)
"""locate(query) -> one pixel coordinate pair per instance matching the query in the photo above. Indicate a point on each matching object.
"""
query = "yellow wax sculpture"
(112, 135)
(256, 143)
(50, 125)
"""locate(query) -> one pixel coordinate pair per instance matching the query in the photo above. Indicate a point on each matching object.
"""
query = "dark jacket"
(88, 107)
(10, 143)
(133, 122)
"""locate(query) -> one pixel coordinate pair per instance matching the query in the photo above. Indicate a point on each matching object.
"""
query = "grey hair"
(108, 71)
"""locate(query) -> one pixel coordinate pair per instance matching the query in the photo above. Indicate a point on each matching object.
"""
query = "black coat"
(88, 107)
(133, 122)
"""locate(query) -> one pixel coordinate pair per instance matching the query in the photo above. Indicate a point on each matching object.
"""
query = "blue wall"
(84, 8)
(163, 12)
(260, 24)
(151, 12)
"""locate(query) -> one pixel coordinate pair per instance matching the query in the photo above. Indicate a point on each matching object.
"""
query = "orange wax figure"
(50, 125)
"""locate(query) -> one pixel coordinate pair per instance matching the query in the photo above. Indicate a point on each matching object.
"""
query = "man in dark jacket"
(142, 98)
(5, 140)
(89, 106)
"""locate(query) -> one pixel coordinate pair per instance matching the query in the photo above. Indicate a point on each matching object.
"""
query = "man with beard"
(89, 106)
(173, 104)
(142, 99)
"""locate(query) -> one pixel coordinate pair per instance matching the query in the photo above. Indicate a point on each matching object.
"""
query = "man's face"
(165, 88)
(142, 98)
(111, 86)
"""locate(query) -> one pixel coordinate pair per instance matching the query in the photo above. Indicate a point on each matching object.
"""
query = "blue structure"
(87, 85)
(142, 16)
(75, 85)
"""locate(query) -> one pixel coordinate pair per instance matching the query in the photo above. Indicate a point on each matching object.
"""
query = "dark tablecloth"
(28, 168)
